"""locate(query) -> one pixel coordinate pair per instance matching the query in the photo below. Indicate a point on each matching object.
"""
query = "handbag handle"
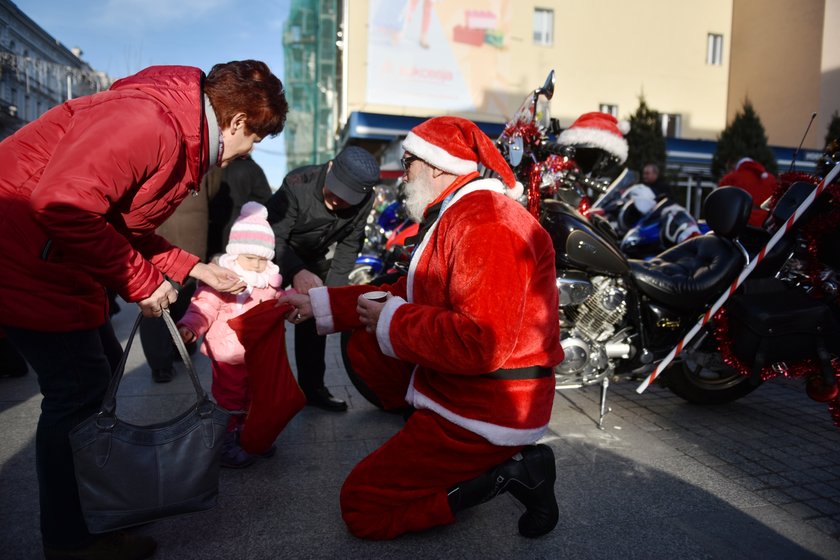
(109, 403)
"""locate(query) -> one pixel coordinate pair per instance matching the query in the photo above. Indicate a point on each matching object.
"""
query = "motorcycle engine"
(586, 330)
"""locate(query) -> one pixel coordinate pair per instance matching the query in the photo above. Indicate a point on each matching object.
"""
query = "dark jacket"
(82, 190)
(243, 180)
(304, 228)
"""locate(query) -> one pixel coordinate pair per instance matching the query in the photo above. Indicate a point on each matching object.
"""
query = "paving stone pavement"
(755, 479)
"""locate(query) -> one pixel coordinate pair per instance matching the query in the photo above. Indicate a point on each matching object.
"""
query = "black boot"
(529, 476)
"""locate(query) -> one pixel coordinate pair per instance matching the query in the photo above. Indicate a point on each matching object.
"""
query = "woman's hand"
(164, 296)
(218, 278)
(301, 310)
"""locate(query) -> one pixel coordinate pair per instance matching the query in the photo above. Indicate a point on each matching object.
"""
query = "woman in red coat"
(82, 190)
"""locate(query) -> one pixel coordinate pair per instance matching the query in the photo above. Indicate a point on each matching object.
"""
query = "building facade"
(36, 71)
(401, 61)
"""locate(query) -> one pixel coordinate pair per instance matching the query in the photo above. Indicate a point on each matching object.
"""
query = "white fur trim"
(595, 138)
(437, 156)
(494, 433)
(319, 299)
(489, 184)
(516, 191)
(383, 326)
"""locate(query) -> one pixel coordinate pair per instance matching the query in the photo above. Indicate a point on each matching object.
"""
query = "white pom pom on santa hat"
(457, 146)
(598, 130)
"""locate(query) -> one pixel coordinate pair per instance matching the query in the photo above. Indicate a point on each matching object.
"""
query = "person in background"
(249, 254)
(83, 189)
(657, 183)
(240, 182)
(318, 206)
(469, 340)
(751, 176)
(187, 228)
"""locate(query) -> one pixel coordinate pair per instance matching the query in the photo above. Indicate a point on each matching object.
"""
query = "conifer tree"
(744, 137)
(645, 140)
(833, 129)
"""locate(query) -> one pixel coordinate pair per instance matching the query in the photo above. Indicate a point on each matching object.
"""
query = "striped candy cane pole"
(738, 281)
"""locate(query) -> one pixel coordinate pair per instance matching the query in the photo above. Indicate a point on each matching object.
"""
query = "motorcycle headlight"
(574, 289)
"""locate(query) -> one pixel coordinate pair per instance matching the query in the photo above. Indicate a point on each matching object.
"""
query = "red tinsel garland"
(799, 370)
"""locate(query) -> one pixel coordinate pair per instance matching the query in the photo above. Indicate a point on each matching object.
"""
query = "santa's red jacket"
(83, 189)
(480, 296)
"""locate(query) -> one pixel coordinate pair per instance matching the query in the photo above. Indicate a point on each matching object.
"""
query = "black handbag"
(129, 475)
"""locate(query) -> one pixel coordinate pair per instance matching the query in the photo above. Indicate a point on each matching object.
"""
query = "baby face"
(252, 263)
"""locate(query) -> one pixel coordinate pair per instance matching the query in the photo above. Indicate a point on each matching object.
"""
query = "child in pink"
(248, 253)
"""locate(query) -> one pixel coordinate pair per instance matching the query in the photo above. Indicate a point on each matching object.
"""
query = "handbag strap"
(109, 403)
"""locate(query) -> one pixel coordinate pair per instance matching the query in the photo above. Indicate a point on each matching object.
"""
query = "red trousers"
(402, 486)
(230, 389)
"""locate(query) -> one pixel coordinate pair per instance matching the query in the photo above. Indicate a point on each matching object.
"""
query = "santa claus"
(468, 340)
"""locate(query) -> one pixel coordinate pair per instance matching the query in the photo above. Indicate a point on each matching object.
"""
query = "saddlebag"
(770, 324)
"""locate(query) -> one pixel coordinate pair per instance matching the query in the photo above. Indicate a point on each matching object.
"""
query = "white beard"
(252, 278)
(419, 194)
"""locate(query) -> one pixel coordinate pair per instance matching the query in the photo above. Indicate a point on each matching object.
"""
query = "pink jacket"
(208, 315)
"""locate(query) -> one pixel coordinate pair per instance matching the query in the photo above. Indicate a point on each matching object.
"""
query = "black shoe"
(531, 481)
(322, 398)
(107, 547)
(163, 375)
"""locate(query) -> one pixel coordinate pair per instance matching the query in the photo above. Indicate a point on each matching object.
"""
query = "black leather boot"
(529, 476)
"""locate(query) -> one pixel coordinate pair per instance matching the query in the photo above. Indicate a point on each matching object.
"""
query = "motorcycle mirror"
(516, 150)
(548, 87)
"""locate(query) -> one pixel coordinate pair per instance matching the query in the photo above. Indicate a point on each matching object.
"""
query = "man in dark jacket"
(316, 207)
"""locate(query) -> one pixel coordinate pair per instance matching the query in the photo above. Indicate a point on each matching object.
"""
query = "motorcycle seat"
(689, 275)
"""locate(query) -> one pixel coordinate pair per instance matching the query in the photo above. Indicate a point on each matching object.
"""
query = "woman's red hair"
(248, 86)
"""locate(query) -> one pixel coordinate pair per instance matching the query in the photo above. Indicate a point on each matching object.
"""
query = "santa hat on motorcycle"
(457, 146)
(598, 130)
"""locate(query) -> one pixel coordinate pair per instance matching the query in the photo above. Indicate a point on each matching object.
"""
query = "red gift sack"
(275, 395)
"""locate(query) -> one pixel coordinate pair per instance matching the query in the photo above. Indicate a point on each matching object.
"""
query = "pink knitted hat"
(251, 234)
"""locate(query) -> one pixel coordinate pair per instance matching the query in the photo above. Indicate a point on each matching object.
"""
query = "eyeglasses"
(407, 160)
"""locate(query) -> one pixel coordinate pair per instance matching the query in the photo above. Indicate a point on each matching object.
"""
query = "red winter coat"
(82, 190)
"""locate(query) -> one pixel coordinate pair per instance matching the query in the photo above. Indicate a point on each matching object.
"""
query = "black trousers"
(73, 370)
(310, 346)
(158, 347)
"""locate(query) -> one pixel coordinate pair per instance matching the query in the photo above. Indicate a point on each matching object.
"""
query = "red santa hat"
(457, 146)
(598, 130)
(251, 234)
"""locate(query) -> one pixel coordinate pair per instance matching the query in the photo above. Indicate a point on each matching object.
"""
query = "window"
(714, 49)
(671, 125)
(543, 27)
(608, 109)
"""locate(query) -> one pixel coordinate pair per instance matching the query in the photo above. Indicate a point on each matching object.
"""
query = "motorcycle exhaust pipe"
(618, 350)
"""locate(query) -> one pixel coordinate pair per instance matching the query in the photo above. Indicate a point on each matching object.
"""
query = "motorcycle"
(644, 225)
(384, 250)
(620, 317)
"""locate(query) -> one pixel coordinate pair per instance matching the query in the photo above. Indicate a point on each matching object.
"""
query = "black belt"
(531, 372)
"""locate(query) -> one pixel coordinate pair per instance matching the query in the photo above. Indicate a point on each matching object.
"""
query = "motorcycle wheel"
(357, 381)
(700, 385)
